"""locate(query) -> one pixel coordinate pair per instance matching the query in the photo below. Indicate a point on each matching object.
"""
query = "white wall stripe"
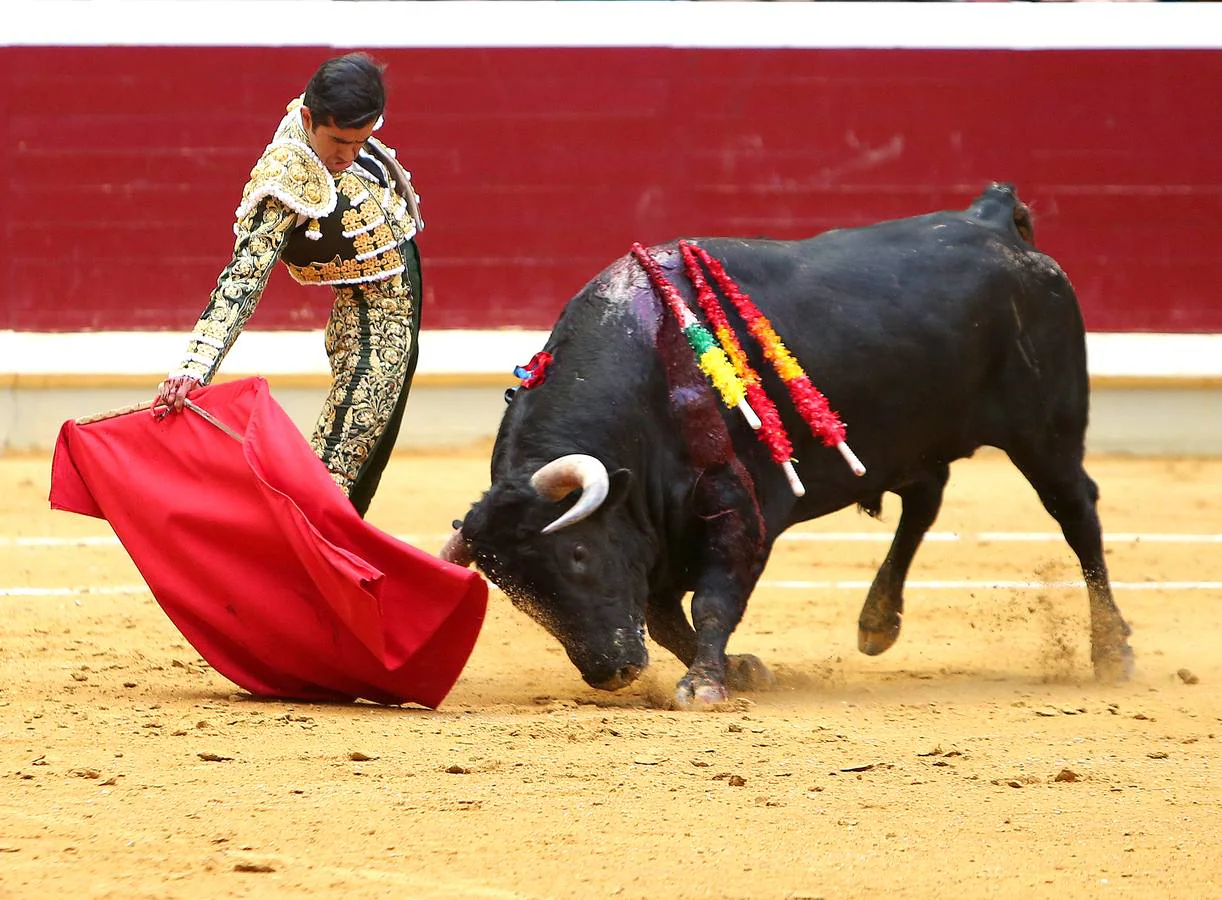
(255, 352)
(628, 23)
(488, 351)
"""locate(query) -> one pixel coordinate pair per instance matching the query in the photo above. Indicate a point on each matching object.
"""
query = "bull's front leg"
(668, 625)
(733, 552)
(717, 607)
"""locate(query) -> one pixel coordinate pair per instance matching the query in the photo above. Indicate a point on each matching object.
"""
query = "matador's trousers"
(371, 342)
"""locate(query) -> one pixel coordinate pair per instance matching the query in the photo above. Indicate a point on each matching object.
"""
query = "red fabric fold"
(260, 560)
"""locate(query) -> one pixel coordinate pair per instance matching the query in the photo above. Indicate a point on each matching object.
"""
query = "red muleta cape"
(260, 560)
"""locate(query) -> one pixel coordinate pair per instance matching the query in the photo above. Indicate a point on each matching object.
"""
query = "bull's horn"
(562, 476)
(457, 550)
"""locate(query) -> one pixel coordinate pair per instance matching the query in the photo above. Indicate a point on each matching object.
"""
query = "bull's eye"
(581, 555)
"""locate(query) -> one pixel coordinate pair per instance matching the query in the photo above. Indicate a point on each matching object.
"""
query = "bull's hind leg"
(1072, 498)
(878, 626)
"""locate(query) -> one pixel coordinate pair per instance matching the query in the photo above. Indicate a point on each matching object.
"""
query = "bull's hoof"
(873, 642)
(690, 693)
(746, 672)
(621, 679)
(1114, 667)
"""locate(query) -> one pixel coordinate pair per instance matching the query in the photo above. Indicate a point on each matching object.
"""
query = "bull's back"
(927, 333)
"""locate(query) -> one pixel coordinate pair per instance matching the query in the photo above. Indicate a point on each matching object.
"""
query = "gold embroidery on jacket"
(261, 236)
(374, 232)
(291, 171)
(294, 175)
(350, 271)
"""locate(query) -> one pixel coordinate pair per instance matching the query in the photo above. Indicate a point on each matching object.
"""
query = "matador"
(334, 204)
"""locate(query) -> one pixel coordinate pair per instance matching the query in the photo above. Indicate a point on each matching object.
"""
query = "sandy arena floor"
(977, 758)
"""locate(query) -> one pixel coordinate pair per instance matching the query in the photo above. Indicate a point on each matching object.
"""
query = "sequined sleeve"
(261, 236)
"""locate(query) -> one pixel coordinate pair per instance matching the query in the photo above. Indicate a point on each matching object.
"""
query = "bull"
(619, 484)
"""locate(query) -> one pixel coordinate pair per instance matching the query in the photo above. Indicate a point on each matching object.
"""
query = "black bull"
(931, 336)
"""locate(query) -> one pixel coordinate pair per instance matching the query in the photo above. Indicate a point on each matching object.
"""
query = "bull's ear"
(621, 483)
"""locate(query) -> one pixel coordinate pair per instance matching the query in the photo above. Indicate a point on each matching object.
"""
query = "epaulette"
(401, 177)
(292, 173)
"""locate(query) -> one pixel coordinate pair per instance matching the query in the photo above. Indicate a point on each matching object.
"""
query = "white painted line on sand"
(853, 537)
(425, 540)
(844, 585)
(862, 584)
(821, 537)
(1117, 538)
(93, 541)
(73, 591)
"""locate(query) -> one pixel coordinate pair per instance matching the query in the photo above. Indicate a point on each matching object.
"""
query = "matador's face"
(336, 147)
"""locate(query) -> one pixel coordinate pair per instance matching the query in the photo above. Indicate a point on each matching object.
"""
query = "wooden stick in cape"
(112, 413)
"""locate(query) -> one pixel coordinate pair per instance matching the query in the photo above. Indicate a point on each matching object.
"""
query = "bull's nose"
(623, 677)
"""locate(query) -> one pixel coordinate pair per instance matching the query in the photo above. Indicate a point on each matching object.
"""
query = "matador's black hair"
(346, 92)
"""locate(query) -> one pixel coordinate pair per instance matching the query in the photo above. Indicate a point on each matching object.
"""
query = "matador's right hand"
(172, 394)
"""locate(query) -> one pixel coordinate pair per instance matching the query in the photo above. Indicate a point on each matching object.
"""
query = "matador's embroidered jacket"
(345, 229)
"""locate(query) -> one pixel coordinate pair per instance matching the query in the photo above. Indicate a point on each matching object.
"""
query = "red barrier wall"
(538, 166)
